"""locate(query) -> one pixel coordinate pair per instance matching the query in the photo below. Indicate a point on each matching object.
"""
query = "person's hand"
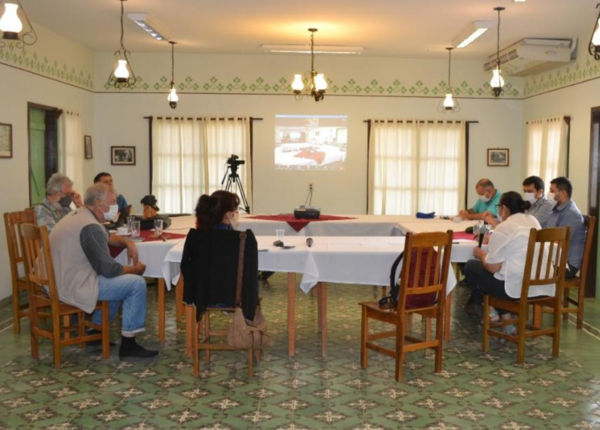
(132, 253)
(77, 199)
(463, 214)
(479, 253)
(139, 268)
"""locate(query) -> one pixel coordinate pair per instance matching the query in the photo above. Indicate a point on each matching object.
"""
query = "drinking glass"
(280, 234)
(135, 229)
(130, 219)
(158, 227)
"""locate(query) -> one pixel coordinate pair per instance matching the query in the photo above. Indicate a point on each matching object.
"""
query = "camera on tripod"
(234, 161)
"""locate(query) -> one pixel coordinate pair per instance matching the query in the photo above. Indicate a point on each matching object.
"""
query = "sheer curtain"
(71, 148)
(547, 147)
(188, 158)
(416, 166)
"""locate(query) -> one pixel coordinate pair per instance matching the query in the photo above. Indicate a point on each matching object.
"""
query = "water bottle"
(476, 229)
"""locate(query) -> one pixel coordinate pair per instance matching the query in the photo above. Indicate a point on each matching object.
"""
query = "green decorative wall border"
(351, 87)
(29, 60)
(584, 69)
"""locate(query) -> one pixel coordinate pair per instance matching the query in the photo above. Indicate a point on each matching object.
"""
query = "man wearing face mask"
(533, 191)
(59, 196)
(489, 197)
(566, 213)
(85, 271)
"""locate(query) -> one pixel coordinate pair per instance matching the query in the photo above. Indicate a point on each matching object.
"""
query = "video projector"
(307, 212)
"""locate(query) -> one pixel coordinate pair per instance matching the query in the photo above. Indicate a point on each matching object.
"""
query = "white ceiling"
(386, 28)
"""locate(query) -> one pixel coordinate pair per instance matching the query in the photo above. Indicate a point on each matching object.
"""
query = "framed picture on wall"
(122, 155)
(6, 141)
(87, 145)
(498, 157)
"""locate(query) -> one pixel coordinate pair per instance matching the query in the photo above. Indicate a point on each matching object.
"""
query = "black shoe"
(131, 351)
(97, 343)
(474, 309)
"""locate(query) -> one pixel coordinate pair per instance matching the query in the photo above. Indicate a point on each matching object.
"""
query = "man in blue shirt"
(566, 214)
(489, 197)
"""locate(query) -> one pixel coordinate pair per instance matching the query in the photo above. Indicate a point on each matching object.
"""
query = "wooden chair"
(12, 221)
(548, 247)
(424, 244)
(44, 301)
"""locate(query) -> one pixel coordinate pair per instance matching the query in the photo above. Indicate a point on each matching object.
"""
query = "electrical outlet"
(310, 186)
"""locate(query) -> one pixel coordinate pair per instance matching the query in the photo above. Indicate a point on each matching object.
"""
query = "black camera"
(235, 161)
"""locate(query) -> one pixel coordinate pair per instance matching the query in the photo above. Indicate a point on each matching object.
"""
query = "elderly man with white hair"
(85, 272)
(59, 196)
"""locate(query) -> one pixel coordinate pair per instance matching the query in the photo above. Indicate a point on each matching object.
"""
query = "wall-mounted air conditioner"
(531, 56)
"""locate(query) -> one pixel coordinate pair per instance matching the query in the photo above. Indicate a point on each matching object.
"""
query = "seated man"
(85, 272)
(106, 178)
(489, 197)
(59, 196)
(566, 213)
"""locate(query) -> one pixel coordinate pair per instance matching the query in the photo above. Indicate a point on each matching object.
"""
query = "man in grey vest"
(85, 271)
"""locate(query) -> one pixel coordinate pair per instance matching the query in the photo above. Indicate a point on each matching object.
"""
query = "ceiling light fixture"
(173, 98)
(497, 82)
(468, 35)
(321, 49)
(11, 25)
(317, 84)
(449, 104)
(594, 46)
(149, 25)
(122, 75)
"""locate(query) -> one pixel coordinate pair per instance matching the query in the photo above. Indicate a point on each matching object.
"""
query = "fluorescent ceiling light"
(305, 49)
(149, 25)
(519, 1)
(471, 33)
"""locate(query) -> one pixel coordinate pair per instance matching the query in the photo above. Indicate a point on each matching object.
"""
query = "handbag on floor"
(243, 333)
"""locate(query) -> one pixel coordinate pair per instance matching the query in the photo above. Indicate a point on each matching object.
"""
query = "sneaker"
(494, 316)
(131, 351)
(95, 344)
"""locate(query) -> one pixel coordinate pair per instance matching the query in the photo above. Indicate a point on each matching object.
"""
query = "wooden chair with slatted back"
(44, 302)
(397, 317)
(545, 263)
(12, 221)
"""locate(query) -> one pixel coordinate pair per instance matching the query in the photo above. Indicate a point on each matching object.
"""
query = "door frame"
(594, 177)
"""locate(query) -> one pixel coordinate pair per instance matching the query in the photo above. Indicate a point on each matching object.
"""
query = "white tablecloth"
(349, 260)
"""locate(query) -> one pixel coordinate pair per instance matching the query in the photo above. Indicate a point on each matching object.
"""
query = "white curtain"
(71, 148)
(547, 148)
(189, 155)
(416, 166)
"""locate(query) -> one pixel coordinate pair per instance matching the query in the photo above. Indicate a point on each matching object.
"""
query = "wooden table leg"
(323, 316)
(189, 330)
(161, 310)
(291, 314)
(179, 308)
(447, 315)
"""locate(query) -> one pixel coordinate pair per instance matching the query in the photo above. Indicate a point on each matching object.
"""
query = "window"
(189, 158)
(547, 147)
(416, 166)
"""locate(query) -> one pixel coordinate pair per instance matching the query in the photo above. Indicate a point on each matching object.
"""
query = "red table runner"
(298, 224)
(146, 236)
(462, 235)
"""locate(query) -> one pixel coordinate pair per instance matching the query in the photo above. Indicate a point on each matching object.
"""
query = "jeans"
(483, 282)
(129, 289)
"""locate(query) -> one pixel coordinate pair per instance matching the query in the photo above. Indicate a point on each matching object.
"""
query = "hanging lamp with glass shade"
(449, 104)
(594, 46)
(122, 75)
(317, 84)
(173, 98)
(15, 25)
(497, 82)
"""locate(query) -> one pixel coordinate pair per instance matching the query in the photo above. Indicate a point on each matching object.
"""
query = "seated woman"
(219, 211)
(499, 271)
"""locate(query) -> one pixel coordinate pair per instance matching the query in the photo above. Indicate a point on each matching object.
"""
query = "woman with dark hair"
(498, 272)
(219, 211)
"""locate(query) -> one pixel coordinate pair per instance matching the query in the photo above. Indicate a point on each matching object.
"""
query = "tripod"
(234, 178)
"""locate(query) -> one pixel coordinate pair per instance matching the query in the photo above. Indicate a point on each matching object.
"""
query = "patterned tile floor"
(474, 391)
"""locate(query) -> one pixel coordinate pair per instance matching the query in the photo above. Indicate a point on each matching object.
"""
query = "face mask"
(485, 199)
(112, 212)
(235, 220)
(551, 198)
(66, 201)
(530, 197)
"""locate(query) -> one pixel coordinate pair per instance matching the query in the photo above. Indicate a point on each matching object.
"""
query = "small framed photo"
(6, 147)
(87, 145)
(122, 155)
(498, 157)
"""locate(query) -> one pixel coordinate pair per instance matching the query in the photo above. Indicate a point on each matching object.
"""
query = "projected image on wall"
(311, 142)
